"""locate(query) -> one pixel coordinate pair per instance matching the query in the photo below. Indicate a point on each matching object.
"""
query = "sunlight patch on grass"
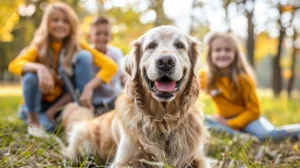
(9, 107)
(10, 90)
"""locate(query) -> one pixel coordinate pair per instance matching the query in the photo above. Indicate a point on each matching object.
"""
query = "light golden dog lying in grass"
(157, 118)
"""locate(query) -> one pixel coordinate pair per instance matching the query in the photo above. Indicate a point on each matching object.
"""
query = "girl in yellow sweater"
(229, 81)
(56, 46)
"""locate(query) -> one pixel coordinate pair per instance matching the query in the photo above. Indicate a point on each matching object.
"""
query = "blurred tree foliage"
(270, 54)
(8, 19)
(265, 45)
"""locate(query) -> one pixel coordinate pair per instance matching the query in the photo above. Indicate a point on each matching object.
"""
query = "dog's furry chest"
(165, 140)
(174, 134)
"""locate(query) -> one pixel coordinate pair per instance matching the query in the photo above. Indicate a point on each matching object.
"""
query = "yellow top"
(239, 107)
(106, 73)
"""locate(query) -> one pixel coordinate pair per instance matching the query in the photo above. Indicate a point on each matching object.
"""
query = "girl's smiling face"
(222, 53)
(59, 27)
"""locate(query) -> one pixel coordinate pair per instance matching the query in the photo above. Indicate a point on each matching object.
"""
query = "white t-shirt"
(107, 92)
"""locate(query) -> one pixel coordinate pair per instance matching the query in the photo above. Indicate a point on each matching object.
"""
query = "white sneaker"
(36, 131)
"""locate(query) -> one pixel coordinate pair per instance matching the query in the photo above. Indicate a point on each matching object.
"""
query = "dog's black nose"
(165, 63)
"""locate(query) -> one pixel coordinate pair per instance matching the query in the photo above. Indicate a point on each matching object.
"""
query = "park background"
(269, 32)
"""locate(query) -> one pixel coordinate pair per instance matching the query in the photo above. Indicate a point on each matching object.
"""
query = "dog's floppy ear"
(132, 59)
(195, 54)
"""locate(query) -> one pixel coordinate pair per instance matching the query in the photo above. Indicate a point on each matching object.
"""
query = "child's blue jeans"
(261, 128)
(32, 95)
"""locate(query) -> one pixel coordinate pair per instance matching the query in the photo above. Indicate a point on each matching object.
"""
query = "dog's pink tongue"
(165, 86)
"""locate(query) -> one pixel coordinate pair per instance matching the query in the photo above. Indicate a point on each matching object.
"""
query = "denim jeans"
(261, 128)
(33, 96)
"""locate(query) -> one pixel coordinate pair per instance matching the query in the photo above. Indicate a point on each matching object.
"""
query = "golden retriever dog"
(157, 118)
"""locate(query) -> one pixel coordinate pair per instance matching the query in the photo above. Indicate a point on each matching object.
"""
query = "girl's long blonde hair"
(239, 66)
(42, 39)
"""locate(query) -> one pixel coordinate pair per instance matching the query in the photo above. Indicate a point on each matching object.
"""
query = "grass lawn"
(17, 149)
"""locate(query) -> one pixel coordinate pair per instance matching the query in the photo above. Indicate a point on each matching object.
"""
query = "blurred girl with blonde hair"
(55, 46)
(229, 81)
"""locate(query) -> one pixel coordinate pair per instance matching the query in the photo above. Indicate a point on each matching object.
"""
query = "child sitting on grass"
(229, 81)
(56, 45)
(105, 95)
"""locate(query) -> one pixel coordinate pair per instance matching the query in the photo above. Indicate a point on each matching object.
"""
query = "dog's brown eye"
(151, 45)
(179, 45)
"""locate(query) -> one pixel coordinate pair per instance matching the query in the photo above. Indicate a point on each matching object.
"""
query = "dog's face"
(163, 58)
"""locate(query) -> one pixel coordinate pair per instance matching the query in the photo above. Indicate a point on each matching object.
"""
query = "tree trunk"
(250, 39)
(293, 66)
(101, 10)
(1, 75)
(191, 31)
(1, 66)
(277, 78)
(159, 9)
(225, 6)
(161, 18)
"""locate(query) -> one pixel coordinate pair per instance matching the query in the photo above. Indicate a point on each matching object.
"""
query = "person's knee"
(30, 79)
(84, 57)
(83, 69)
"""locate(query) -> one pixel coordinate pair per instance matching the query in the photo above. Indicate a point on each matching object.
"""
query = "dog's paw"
(70, 154)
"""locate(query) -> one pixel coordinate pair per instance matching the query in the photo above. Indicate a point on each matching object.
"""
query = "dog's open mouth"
(164, 87)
